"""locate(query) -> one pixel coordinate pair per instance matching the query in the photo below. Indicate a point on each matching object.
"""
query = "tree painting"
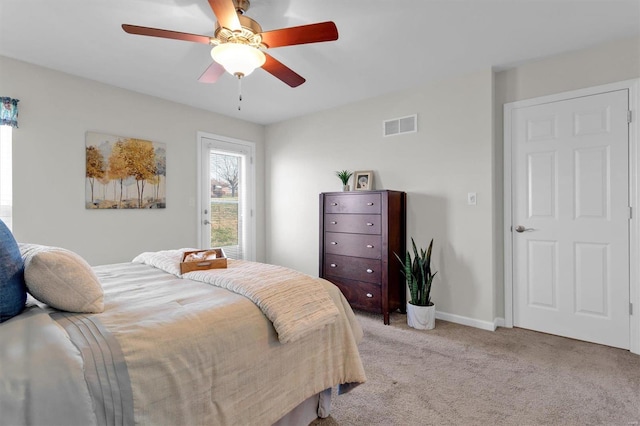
(95, 167)
(124, 173)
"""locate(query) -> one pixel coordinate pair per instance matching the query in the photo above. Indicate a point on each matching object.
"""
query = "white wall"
(605, 63)
(450, 156)
(56, 110)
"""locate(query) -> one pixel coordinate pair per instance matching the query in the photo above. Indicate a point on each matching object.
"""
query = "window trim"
(6, 162)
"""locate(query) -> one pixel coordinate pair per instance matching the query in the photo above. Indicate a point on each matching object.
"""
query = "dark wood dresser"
(359, 232)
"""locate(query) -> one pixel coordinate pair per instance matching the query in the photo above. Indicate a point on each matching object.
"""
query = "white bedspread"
(201, 355)
(295, 303)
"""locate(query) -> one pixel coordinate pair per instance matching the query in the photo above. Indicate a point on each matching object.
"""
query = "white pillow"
(61, 279)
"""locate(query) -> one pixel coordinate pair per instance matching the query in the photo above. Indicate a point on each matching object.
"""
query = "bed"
(169, 349)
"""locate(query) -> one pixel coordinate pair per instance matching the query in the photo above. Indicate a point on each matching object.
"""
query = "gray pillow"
(61, 279)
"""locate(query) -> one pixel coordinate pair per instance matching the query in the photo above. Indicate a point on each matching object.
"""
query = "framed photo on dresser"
(363, 181)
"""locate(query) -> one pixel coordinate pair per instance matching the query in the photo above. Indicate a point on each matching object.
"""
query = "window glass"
(6, 194)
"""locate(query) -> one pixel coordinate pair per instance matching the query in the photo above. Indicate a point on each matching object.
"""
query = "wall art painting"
(124, 173)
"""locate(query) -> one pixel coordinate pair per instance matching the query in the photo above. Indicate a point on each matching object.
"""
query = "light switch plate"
(471, 198)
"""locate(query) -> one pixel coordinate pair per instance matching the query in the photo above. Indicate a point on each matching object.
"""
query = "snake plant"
(417, 272)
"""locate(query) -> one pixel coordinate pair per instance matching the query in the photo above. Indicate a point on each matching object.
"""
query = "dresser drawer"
(353, 203)
(355, 268)
(353, 223)
(365, 296)
(356, 245)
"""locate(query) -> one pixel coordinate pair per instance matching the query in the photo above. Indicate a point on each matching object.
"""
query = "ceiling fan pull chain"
(239, 92)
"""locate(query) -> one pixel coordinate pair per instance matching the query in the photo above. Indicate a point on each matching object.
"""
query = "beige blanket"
(295, 303)
(202, 355)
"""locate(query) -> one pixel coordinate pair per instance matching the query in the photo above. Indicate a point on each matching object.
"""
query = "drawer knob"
(369, 271)
(334, 204)
(368, 245)
(369, 224)
(334, 243)
(333, 222)
(369, 295)
(369, 204)
(333, 265)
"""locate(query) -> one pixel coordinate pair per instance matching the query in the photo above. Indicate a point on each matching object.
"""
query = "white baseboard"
(471, 322)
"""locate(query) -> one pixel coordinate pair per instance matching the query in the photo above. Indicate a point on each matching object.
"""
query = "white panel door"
(571, 218)
(227, 196)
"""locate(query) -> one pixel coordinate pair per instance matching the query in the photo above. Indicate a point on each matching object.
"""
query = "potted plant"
(421, 312)
(344, 176)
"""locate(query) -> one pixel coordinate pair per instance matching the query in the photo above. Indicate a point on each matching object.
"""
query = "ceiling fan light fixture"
(238, 59)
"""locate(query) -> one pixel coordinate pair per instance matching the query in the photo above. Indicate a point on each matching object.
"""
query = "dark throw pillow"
(13, 291)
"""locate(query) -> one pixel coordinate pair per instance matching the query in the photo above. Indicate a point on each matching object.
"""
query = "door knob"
(521, 228)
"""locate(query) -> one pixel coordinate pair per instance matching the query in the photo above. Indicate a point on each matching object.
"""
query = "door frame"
(250, 222)
(634, 196)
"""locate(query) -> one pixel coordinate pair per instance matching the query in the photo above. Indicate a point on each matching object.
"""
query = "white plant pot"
(421, 317)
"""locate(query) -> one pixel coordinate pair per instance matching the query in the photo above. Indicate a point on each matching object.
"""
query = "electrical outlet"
(471, 198)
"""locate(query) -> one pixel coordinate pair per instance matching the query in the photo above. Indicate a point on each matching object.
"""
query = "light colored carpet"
(457, 375)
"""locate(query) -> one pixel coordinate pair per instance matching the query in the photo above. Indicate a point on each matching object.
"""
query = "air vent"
(401, 125)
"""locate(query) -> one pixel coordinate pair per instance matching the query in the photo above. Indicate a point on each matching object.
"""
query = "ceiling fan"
(239, 42)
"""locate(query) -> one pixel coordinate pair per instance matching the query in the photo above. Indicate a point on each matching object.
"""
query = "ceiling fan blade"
(226, 14)
(313, 33)
(282, 72)
(156, 32)
(211, 74)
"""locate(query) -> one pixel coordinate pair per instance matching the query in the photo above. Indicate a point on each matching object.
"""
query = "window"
(6, 193)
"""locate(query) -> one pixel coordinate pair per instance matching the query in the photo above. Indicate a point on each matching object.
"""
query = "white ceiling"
(384, 45)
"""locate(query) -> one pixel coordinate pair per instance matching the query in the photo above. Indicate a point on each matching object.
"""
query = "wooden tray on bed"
(207, 259)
